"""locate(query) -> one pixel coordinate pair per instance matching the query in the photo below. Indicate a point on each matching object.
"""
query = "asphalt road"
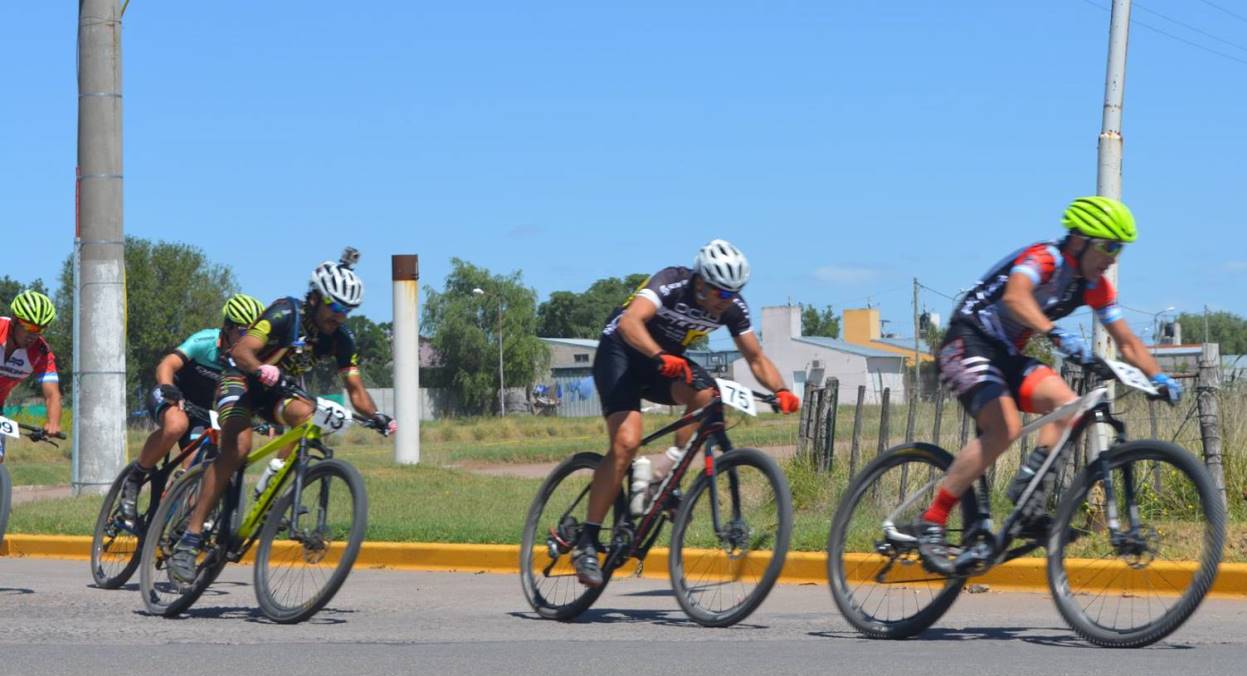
(52, 621)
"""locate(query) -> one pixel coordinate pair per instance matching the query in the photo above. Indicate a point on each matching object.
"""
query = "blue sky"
(846, 147)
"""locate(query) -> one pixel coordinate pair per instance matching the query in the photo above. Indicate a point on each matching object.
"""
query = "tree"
(172, 291)
(373, 342)
(463, 328)
(824, 324)
(1226, 328)
(568, 314)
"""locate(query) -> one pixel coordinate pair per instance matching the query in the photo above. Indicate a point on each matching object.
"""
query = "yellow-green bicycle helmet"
(1100, 218)
(33, 307)
(242, 309)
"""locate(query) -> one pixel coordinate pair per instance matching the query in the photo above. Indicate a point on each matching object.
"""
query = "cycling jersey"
(198, 377)
(37, 361)
(292, 342)
(680, 320)
(1058, 291)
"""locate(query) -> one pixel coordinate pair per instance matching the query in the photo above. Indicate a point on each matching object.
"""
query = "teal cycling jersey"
(199, 376)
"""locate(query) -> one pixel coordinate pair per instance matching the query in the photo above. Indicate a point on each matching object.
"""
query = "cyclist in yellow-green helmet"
(27, 354)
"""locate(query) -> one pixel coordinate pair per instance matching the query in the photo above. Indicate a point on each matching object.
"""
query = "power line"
(1214, 5)
(1167, 34)
(1191, 28)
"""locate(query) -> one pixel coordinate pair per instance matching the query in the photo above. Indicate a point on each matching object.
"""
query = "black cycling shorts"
(980, 369)
(624, 377)
(243, 396)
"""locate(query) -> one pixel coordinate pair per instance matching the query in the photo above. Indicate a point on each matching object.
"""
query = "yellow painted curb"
(1029, 574)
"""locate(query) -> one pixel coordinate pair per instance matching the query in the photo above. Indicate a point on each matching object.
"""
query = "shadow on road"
(662, 618)
(1063, 639)
(253, 614)
(15, 591)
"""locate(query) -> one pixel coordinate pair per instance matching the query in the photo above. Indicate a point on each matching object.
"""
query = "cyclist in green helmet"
(27, 354)
(981, 357)
(188, 373)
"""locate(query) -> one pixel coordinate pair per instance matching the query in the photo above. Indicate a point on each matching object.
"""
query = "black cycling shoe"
(933, 548)
(130, 496)
(588, 571)
(184, 564)
(1035, 527)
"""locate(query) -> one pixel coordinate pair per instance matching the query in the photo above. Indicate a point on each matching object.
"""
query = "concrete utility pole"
(1108, 177)
(100, 378)
(406, 276)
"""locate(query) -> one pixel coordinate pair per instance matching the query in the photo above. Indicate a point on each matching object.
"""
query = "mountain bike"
(311, 515)
(15, 430)
(1111, 539)
(730, 530)
(117, 542)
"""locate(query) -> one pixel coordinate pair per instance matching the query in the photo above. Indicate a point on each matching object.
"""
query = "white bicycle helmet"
(338, 281)
(723, 265)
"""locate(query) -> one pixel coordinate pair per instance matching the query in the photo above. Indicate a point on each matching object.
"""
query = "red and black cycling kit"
(293, 344)
(624, 376)
(22, 363)
(981, 357)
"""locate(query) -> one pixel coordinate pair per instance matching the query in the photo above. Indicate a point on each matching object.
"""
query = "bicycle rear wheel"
(721, 577)
(1138, 590)
(6, 499)
(551, 529)
(876, 576)
(117, 545)
(299, 569)
(162, 595)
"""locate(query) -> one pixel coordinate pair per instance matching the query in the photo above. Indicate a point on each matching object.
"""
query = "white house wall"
(852, 370)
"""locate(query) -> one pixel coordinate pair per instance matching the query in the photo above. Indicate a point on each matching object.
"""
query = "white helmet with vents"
(722, 265)
(338, 281)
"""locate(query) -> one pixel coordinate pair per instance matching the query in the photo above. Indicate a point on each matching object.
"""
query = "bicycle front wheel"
(1139, 588)
(307, 549)
(723, 565)
(876, 576)
(163, 595)
(6, 500)
(116, 545)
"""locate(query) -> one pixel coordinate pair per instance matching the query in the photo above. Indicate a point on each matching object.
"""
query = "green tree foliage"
(1226, 328)
(172, 291)
(568, 314)
(464, 329)
(376, 358)
(823, 324)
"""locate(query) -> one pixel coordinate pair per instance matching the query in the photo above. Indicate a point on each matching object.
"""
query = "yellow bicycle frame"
(255, 516)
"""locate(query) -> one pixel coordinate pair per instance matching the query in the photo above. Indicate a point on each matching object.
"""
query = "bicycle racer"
(981, 355)
(288, 338)
(641, 355)
(27, 354)
(191, 372)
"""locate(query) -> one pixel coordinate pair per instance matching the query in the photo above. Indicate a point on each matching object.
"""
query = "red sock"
(938, 511)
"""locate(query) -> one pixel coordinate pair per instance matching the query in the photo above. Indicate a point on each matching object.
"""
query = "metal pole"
(1108, 177)
(406, 276)
(502, 385)
(100, 399)
(917, 360)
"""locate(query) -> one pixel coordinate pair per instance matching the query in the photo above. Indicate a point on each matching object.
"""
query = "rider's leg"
(1042, 392)
(235, 444)
(624, 428)
(692, 398)
(291, 412)
(173, 424)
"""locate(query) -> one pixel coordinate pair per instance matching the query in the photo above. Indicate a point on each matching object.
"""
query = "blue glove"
(1168, 386)
(1071, 345)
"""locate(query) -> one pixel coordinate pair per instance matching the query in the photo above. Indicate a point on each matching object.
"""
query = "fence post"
(965, 428)
(816, 426)
(884, 420)
(1155, 430)
(911, 418)
(803, 429)
(935, 433)
(828, 455)
(1209, 422)
(854, 450)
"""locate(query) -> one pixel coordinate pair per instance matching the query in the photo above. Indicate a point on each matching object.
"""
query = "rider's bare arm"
(1132, 349)
(168, 367)
(762, 367)
(52, 397)
(245, 353)
(360, 399)
(1020, 299)
(632, 326)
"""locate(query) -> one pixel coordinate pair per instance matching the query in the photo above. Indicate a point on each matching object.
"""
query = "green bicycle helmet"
(1100, 218)
(242, 309)
(33, 307)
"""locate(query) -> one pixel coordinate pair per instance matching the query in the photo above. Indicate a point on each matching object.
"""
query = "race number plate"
(9, 428)
(1131, 376)
(331, 416)
(216, 421)
(737, 396)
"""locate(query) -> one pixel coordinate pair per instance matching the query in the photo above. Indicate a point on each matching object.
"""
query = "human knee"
(294, 412)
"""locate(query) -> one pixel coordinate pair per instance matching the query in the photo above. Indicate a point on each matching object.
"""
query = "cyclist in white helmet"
(287, 339)
(641, 355)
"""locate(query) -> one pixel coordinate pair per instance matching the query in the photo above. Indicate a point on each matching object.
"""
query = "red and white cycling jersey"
(23, 363)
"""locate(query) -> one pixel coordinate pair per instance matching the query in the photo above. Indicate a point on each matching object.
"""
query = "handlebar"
(38, 434)
(1100, 368)
(288, 384)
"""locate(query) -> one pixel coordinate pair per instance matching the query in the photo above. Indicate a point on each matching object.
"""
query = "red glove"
(673, 366)
(788, 402)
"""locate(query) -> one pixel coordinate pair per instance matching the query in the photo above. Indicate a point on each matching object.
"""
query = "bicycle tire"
(838, 576)
(103, 537)
(155, 549)
(1213, 518)
(6, 500)
(688, 594)
(277, 519)
(540, 600)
